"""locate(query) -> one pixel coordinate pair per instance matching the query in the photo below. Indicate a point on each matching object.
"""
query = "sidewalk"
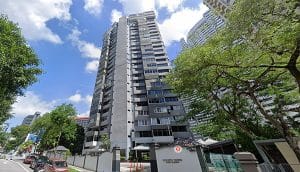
(79, 169)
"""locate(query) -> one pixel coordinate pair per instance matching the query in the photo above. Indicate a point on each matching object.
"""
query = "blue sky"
(67, 37)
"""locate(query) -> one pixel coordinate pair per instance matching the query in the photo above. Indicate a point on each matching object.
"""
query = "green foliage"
(255, 56)
(18, 66)
(3, 137)
(26, 146)
(75, 144)
(19, 133)
(105, 141)
(54, 124)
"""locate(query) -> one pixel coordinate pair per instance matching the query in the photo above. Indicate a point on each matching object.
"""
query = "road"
(13, 166)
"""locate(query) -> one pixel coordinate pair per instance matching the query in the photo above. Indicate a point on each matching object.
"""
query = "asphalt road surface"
(13, 166)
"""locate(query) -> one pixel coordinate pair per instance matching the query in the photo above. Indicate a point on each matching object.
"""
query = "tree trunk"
(261, 109)
(55, 145)
(292, 65)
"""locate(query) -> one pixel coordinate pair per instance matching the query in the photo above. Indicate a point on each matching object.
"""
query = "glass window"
(143, 122)
(171, 99)
(162, 109)
(151, 64)
(156, 100)
(151, 71)
(145, 134)
(163, 70)
(142, 112)
(155, 92)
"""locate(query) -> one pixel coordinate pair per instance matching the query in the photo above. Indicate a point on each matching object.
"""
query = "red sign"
(177, 149)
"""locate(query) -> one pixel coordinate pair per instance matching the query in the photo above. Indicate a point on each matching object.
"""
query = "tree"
(270, 30)
(75, 145)
(254, 57)
(26, 146)
(3, 137)
(18, 66)
(19, 134)
(105, 142)
(54, 124)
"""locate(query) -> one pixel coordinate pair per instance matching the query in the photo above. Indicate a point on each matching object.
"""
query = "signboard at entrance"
(177, 149)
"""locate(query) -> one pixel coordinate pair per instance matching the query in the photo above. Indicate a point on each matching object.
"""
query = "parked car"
(29, 159)
(38, 163)
(56, 165)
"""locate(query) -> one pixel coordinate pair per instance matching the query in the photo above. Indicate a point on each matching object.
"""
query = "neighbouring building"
(29, 119)
(82, 121)
(212, 21)
(219, 6)
(130, 103)
(203, 30)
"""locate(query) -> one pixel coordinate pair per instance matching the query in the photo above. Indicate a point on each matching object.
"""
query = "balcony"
(135, 91)
(138, 84)
(90, 144)
(183, 134)
(163, 139)
(142, 128)
(105, 122)
(141, 108)
(138, 78)
(107, 106)
(143, 139)
(137, 71)
(140, 99)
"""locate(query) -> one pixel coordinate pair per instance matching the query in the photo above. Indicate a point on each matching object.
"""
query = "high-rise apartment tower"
(130, 103)
(219, 6)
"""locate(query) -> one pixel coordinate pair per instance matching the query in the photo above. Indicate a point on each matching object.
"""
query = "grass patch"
(72, 170)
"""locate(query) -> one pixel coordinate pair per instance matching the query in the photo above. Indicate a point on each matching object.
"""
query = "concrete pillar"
(116, 159)
(248, 161)
(153, 163)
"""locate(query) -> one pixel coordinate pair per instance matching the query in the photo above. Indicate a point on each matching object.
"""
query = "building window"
(145, 134)
(142, 112)
(163, 70)
(163, 64)
(151, 71)
(155, 92)
(162, 109)
(171, 99)
(143, 122)
(160, 121)
(179, 128)
(161, 132)
(176, 107)
(151, 64)
(156, 100)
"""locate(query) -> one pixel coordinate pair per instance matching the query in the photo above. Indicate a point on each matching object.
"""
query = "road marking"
(4, 162)
(21, 166)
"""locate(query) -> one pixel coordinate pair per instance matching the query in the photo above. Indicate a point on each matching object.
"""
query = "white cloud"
(171, 5)
(86, 49)
(92, 66)
(115, 15)
(93, 7)
(137, 6)
(31, 103)
(32, 16)
(179, 23)
(78, 98)
(88, 99)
